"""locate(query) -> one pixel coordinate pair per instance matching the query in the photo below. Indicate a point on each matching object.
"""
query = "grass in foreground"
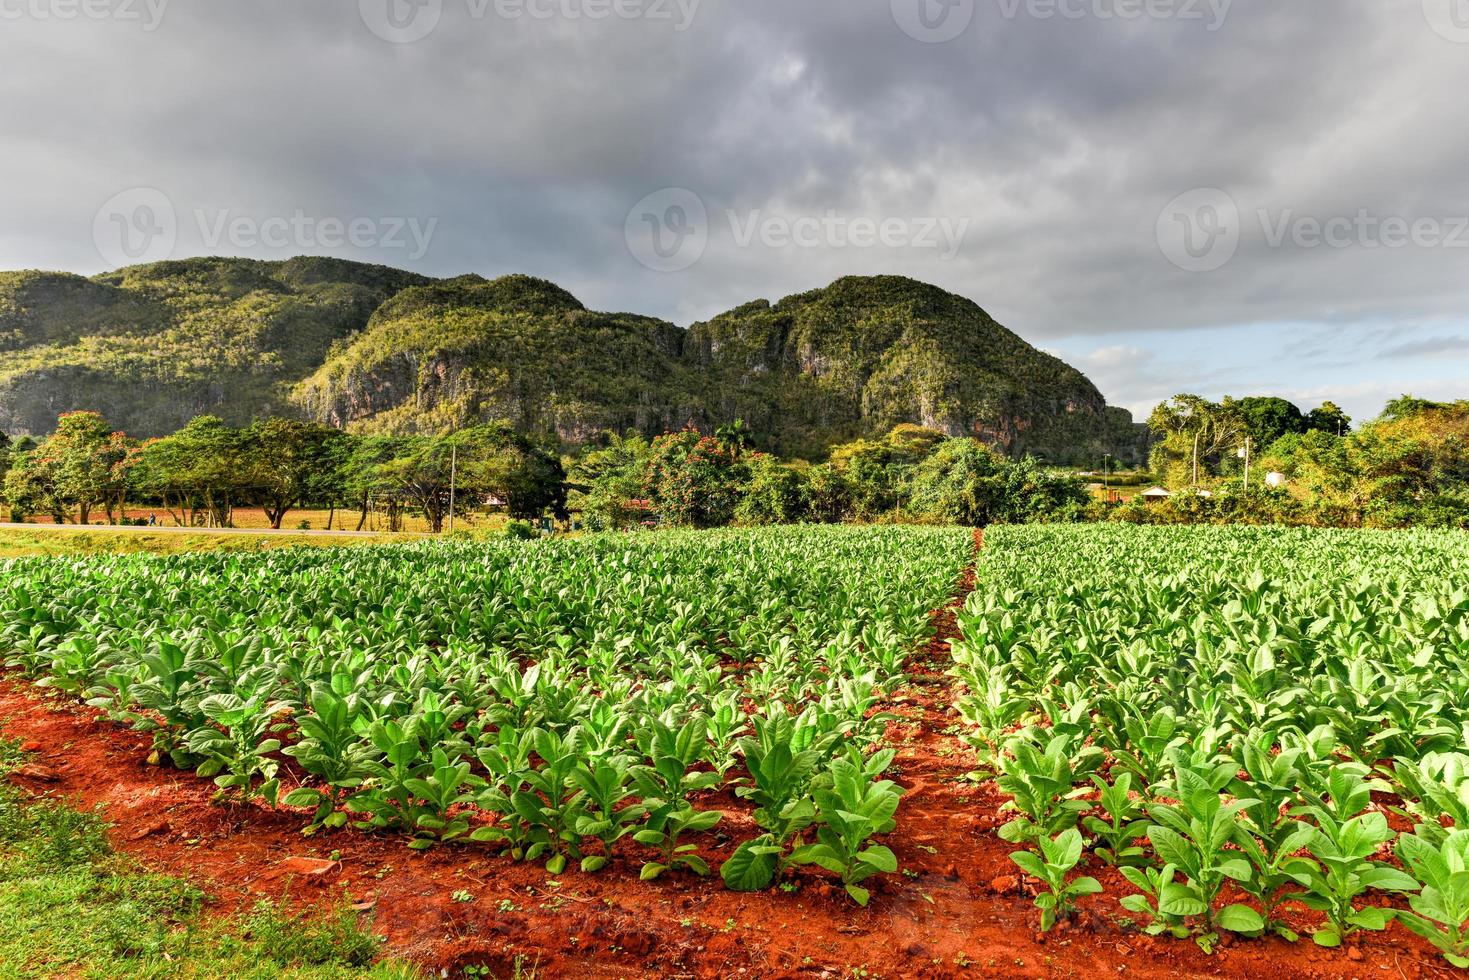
(70, 906)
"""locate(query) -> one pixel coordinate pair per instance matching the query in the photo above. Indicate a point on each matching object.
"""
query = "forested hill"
(153, 346)
(378, 349)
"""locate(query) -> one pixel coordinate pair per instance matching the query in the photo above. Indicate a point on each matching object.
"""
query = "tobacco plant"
(852, 811)
(1193, 835)
(1125, 825)
(1440, 912)
(1340, 870)
(1058, 857)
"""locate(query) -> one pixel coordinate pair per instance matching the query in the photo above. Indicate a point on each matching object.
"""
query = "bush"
(776, 494)
(965, 482)
(521, 531)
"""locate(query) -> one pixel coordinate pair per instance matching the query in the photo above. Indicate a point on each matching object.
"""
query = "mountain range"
(376, 349)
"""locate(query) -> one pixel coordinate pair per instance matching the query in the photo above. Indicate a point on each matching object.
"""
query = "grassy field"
(306, 520)
(46, 541)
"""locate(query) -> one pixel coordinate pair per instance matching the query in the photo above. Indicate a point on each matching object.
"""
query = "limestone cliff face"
(376, 349)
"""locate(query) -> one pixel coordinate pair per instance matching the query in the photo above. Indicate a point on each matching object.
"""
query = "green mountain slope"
(866, 354)
(375, 349)
(152, 346)
(516, 348)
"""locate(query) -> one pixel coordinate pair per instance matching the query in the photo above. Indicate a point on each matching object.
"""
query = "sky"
(1213, 196)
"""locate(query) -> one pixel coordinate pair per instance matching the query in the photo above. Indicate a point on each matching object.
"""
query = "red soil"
(960, 909)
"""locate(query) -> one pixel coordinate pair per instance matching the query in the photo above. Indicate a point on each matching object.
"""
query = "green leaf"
(881, 858)
(751, 868)
(1085, 886)
(818, 854)
(1029, 863)
(303, 796)
(1240, 918)
(1180, 900)
(859, 895)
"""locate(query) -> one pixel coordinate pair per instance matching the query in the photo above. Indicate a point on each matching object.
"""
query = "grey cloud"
(1061, 140)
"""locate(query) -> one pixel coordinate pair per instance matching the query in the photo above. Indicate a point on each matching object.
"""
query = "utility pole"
(1245, 452)
(1106, 477)
(453, 479)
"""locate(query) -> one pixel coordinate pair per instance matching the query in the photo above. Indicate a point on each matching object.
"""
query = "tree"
(200, 470)
(30, 488)
(876, 472)
(5, 453)
(607, 483)
(1267, 419)
(1194, 433)
(291, 462)
(89, 463)
(496, 460)
(358, 468)
(440, 472)
(1330, 419)
(829, 494)
(778, 493)
(965, 482)
(695, 480)
(1409, 467)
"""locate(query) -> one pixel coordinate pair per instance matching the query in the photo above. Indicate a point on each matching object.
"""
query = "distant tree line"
(1408, 467)
(198, 475)
(694, 479)
(201, 474)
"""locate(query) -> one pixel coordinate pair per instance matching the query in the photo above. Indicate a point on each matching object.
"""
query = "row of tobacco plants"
(1236, 718)
(558, 701)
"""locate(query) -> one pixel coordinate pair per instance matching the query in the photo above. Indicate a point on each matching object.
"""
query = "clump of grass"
(334, 939)
(71, 906)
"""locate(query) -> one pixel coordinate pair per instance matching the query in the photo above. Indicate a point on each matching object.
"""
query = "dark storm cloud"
(1057, 140)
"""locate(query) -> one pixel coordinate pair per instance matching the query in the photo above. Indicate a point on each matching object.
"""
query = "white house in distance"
(1275, 480)
(1157, 495)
